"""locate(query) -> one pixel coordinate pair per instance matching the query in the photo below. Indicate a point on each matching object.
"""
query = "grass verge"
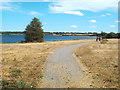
(101, 60)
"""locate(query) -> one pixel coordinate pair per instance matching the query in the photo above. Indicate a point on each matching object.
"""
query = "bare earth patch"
(100, 60)
(23, 63)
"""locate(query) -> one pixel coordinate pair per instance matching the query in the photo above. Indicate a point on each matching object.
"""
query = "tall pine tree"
(34, 31)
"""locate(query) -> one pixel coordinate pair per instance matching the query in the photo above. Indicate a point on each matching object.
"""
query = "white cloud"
(112, 26)
(62, 6)
(1, 1)
(108, 14)
(16, 8)
(5, 8)
(93, 21)
(103, 15)
(74, 13)
(10, 7)
(34, 13)
(45, 0)
(73, 26)
(28, 1)
(117, 21)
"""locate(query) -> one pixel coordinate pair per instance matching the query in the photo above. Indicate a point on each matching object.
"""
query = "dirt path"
(62, 70)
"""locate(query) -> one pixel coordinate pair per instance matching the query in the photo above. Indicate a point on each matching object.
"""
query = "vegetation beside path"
(101, 61)
(23, 63)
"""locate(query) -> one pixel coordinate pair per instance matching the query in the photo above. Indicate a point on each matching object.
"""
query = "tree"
(111, 35)
(34, 31)
(103, 34)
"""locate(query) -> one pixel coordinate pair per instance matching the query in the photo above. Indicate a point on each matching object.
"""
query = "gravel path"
(62, 69)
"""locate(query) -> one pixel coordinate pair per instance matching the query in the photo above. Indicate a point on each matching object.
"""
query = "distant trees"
(34, 31)
(109, 35)
(103, 34)
(112, 35)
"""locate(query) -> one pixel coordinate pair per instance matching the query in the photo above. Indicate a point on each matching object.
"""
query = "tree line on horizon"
(34, 32)
(109, 35)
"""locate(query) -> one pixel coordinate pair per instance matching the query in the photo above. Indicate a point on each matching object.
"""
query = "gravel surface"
(62, 70)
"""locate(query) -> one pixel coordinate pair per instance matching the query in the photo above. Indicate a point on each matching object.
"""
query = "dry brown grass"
(101, 61)
(24, 63)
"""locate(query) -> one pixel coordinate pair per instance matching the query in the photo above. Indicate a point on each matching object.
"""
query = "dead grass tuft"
(104, 41)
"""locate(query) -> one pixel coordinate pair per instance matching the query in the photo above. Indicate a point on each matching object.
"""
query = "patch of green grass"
(9, 84)
(23, 84)
(2, 43)
(7, 43)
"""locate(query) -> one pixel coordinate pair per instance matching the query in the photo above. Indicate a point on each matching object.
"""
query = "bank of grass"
(101, 61)
(7, 43)
(23, 63)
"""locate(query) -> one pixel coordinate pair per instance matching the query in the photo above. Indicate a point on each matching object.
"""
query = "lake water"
(18, 38)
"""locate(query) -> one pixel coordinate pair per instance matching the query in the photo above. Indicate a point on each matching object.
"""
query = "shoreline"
(45, 41)
(54, 35)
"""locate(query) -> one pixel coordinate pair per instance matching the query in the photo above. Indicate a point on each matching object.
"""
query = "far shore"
(87, 35)
(47, 41)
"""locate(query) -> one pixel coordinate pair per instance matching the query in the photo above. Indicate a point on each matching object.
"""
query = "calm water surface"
(18, 38)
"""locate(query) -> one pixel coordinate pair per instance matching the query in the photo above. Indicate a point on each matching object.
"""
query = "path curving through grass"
(61, 69)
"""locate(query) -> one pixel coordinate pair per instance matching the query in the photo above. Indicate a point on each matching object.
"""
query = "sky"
(60, 15)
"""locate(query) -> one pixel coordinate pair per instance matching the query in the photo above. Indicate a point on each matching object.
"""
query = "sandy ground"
(23, 64)
(62, 70)
(100, 62)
